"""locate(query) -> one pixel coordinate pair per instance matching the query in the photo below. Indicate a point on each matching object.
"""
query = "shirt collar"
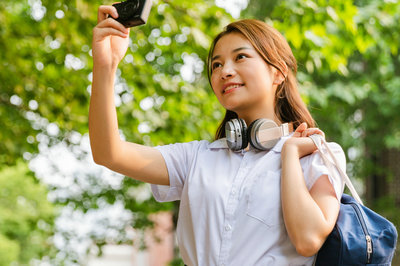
(221, 144)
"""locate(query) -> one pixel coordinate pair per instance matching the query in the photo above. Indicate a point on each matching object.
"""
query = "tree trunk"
(386, 179)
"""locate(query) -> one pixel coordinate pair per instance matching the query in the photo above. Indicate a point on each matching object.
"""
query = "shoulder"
(314, 166)
(195, 145)
(338, 152)
(315, 158)
(335, 147)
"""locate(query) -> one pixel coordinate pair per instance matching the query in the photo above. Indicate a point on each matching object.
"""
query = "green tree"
(26, 217)
(348, 70)
(46, 73)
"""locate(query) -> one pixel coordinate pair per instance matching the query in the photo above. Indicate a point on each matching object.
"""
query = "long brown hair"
(274, 49)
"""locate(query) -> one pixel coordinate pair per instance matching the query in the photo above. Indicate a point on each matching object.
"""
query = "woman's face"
(242, 81)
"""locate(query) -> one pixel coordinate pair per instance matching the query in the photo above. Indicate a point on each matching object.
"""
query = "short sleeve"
(178, 158)
(314, 167)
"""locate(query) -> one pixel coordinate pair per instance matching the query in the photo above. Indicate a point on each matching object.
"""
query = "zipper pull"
(369, 248)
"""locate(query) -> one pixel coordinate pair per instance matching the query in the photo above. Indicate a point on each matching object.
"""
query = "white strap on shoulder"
(320, 142)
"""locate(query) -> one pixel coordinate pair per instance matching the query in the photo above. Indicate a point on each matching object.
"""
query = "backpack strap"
(320, 142)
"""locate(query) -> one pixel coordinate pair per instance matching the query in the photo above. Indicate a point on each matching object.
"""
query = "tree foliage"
(26, 216)
(349, 62)
(46, 73)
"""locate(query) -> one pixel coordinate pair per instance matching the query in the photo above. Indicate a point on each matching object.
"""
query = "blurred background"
(58, 208)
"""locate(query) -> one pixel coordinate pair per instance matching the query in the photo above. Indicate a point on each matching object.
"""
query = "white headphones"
(262, 133)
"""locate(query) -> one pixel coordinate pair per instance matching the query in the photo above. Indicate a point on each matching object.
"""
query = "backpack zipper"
(366, 233)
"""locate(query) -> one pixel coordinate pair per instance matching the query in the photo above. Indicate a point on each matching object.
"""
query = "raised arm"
(309, 215)
(110, 43)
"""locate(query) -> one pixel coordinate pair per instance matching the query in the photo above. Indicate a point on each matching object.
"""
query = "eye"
(215, 65)
(241, 56)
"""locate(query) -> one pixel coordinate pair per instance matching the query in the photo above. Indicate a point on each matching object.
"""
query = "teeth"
(231, 87)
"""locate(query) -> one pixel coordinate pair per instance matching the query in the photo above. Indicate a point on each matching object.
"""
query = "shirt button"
(233, 192)
(228, 227)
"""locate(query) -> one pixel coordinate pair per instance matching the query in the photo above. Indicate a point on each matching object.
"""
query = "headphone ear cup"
(245, 140)
(236, 134)
(251, 132)
(254, 130)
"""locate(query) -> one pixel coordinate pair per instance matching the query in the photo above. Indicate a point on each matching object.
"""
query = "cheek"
(214, 83)
(214, 90)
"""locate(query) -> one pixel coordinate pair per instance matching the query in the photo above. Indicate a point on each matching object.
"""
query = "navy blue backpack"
(360, 236)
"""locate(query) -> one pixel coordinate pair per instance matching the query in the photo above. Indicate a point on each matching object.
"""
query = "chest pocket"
(264, 199)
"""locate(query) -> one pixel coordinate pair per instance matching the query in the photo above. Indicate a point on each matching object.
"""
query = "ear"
(279, 77)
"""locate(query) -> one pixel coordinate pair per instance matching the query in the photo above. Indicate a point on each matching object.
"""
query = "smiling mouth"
(231, 88)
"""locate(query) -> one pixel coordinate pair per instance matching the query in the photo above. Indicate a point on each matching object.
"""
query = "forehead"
(230, 42)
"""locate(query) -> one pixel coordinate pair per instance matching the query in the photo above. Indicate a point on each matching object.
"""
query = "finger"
(321, 133)
(316, 131)
(300, 129)
(104, 11)
(101, 33)
(112, 23)
(312, 131)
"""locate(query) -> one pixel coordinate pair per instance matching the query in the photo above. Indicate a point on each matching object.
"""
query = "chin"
(231, 105)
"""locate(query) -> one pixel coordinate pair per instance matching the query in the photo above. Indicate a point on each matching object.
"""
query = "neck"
(250, 117)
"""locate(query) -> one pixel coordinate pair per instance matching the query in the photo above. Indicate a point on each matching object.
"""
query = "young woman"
(243, 207)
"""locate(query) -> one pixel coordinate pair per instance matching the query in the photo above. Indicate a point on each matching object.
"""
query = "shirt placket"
(232, 204)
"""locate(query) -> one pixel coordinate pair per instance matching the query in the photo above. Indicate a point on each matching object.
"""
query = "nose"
(228, 71)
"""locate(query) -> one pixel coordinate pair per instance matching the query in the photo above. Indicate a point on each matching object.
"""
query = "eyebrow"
(233, 51)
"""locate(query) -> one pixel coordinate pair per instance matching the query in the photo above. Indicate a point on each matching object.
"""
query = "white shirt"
(230, 205)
